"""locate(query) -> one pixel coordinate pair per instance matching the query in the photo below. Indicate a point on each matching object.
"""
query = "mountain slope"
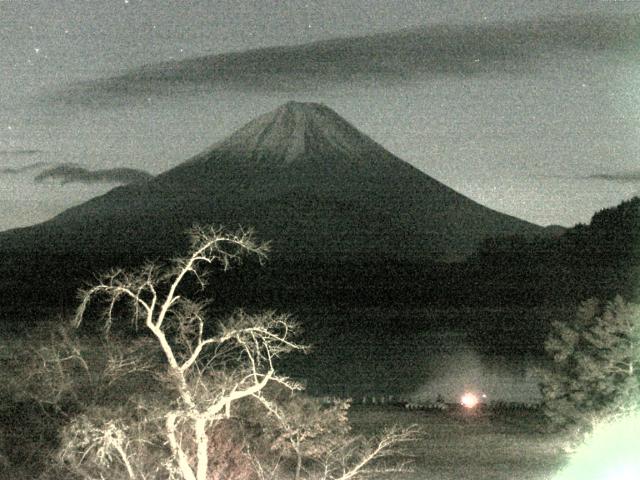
(323, 193)
(304, 178)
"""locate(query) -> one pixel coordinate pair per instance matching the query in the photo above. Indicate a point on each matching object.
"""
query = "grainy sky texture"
(549, 136)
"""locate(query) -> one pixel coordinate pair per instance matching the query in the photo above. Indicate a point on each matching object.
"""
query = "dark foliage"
(601, 259)
(595, 359)
(28, 434)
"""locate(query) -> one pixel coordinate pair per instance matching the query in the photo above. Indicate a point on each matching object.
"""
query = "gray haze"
(546, 134)
(460, 369)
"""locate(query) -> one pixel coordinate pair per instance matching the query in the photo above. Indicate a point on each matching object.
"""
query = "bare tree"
(365, 457)
(323, 438)
(208, 373)
(307, 429)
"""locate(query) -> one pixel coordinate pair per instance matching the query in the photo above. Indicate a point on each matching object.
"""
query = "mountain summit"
(301, 175)
(301, 132)
(294, 145)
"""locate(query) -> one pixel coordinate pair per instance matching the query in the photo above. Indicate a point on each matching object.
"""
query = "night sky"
(550, 138)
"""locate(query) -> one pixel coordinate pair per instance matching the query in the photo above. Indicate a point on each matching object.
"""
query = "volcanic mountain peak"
(303, 177)
(298, 130)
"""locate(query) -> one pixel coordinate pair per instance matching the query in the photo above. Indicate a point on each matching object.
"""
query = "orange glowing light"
(469, 400)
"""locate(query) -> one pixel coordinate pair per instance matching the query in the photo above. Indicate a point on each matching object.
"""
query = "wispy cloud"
(23, 169)
(622, 177)
(70, 173)
(442, 50)
(19, 152)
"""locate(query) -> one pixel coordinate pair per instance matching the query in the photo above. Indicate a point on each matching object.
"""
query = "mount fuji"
(301, 175)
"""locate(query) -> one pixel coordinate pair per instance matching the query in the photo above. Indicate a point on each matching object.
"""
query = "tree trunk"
(176, 449)
(298, 463)
(202, 454)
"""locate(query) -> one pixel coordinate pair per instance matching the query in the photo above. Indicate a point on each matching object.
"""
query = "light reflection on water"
(420, 362)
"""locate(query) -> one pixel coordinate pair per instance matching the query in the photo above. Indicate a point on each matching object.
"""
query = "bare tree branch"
(178, 325)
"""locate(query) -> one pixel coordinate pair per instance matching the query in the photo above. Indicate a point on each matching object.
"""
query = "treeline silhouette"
(600, 259)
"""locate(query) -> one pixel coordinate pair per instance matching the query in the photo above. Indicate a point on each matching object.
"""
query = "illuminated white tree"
(209, 371)
(320, 434)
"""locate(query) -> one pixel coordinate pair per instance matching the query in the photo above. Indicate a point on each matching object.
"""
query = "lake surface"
(419, 354)
(411, 354)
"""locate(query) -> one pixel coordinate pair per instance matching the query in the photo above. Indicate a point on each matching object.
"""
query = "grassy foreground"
(460, 446)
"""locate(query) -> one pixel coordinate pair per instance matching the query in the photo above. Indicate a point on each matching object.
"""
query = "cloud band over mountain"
(622, 177)
(441, 50)
(68, 173)
(20, 152)
(22, 169)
